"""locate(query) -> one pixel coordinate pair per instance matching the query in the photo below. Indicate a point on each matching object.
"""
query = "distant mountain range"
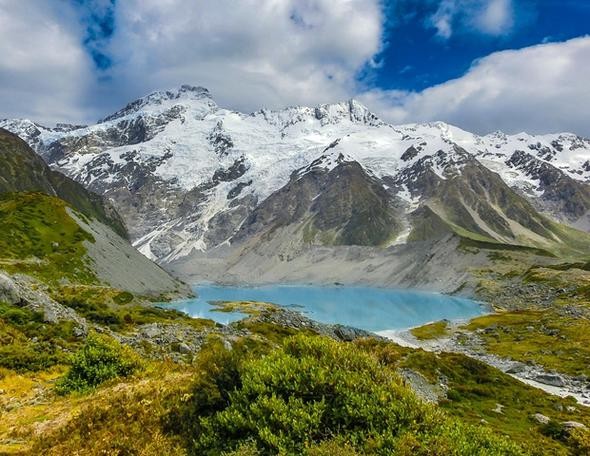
(289, 195)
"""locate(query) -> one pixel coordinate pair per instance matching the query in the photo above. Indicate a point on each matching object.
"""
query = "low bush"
(118, 311)
(123, 298)
(124, 419)
(99, 360)
(313, 390)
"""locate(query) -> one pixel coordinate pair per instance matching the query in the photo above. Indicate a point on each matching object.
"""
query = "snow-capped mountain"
(189, 176)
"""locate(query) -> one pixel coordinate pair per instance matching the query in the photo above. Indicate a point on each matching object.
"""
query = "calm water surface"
(372, 309)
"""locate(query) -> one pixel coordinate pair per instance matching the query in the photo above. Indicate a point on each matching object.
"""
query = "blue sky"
(481, 64)
(419, 57)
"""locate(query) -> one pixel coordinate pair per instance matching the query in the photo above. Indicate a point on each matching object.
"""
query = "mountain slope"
(335, 205)
(43, 237)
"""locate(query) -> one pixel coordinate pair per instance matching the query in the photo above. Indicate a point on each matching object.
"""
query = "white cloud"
(248, 53)
(537, 89)
(43, 70)
(496, 17)
(488, 17)
(442, 19)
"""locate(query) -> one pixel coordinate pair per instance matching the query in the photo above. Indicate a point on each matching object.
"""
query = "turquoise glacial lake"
(369, 308)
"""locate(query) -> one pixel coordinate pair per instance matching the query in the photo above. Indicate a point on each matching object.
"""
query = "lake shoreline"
(365, 307)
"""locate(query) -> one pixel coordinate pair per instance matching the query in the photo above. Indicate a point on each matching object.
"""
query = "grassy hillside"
(38, 237)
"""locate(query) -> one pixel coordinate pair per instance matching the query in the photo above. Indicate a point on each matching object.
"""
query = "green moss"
(434, 330)
(99, 305)
(270, 332)
(246, 307)
(123, 298)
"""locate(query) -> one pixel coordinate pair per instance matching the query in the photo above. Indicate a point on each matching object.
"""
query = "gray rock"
(499, 409)
(292, 319)
(184, 348)
(348, 333)
(516, 368)
(26, 292)
(540, 418)
(550, 379)
(571, 425)
(421, 387)
(8, 290)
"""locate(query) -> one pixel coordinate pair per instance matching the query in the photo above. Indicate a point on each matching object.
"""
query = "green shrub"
(312, 390)
(26, 357)
(555, 430)
(99, 360)
(123, 298)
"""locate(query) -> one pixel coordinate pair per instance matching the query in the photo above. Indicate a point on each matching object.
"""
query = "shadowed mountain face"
(341, 206)
(336, 202)
(22, 170)
(478, 201)
(561, 194)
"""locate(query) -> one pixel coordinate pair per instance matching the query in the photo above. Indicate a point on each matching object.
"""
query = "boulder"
(516, 368)
(571, 425)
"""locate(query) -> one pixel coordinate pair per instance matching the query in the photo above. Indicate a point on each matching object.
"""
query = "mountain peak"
(352, 109)
(167, 98)
(327, 114)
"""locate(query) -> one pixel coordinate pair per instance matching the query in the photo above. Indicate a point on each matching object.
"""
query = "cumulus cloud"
(496, 17)
(248, 53)
(537, 89)
(272, 53)
(44, 72)
(67, 61)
